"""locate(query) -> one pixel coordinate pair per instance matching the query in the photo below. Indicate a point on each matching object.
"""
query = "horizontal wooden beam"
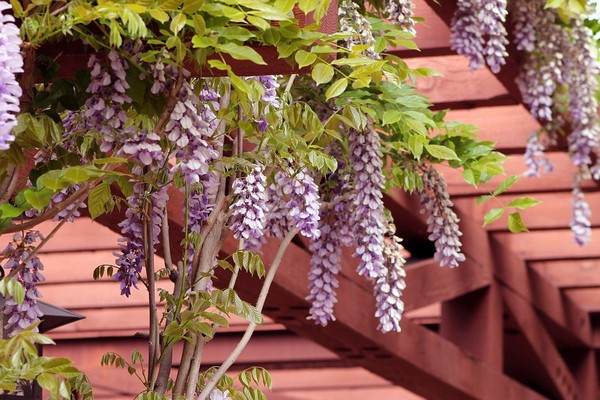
(456, 83)
(559, 181)
(507, 126)
(554, 211)
(571, 273)
(561, 381)
(556, 244)
(586, 298)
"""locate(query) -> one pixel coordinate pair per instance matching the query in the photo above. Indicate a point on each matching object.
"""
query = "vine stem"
(50, 213)
(153, 345)
(252, 326)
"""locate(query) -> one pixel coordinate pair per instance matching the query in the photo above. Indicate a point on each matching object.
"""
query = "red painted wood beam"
(559, 377)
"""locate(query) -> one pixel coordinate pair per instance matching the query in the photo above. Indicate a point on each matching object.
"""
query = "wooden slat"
(562, 381)
(556, 244)
(570, 274)
(507, 126)
(457, 83)
(515, 165)
(586, 298)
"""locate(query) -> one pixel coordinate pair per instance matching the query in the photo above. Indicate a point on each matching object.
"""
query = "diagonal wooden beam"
(561, 381)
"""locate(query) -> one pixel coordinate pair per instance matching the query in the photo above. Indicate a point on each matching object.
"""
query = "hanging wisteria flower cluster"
(19, 251)
(401, 12)
(478, 32)
(11, 63)
(353, 23)
(442, 220)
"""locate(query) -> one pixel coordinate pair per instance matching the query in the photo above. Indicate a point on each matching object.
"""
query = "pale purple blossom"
(21, 316)
(324, 267)
(250, 208)
(389, 286)
(536, 161)
(359, 29)
(131, 254)
(366, 160)
(580, 222)
(11, 63)
(492, 16)
(466, 35)
(442, 220)
(277, 222)
(304, 204)
(400, 12)
(270, 98)
(216, 394)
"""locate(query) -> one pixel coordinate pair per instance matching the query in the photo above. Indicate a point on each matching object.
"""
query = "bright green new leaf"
(100, 200)
(391, 117)
(159, 15)
(492, 215)
(13, 288)
(240, 52)
(9, 211)
(523, 202)
(441, 152)
(39, 199)
(304, 58)
(322, 73)
(338, 87)
(507, 184)
(177, 23)
(515, 223)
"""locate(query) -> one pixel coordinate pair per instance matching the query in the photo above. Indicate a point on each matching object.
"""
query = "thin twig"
(148, 237)
(166, 241)
(252, 326)
(50, 213)
(15, 271)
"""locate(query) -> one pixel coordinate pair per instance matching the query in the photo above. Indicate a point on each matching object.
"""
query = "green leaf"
(100, 200)
(304, 58)
(338, 87)
(391, 117)
(484, 198)
(471, 176)
(13, 288)
(39, 199)
(492, 215)
(241, 52)
(159, 15)
(177, 23)
(441, 152)
(9, 211)
(523, 203)
(507, 184)
(515, 223)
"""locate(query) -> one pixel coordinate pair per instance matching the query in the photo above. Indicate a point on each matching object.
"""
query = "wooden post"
(474, 323)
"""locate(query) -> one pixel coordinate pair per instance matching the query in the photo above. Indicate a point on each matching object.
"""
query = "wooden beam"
(569, 274)
(428, 283)
(474, 323)
(585, 370)
(554, 211)
(587, 298)
(543, 296)
(556, 244)
(515, 165)
(562, 382)
(457, 83)
(507, 126)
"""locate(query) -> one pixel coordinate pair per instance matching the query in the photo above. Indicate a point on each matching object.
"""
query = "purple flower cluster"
(580, 223)
(11, 63)
(537, 33)
(353, 23)
(104, 108)
(23, 315)
(389, 286)
(270, 98)
(478, 32)
(249, 210)
(324, 267)
(366, 160)
(442, 221)
(277, 222)
(400, 12)
(582, 71)
(535, 160)
(131, 255)
(304, 204)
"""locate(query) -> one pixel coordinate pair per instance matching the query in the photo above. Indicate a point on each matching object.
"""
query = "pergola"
(519, 319)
